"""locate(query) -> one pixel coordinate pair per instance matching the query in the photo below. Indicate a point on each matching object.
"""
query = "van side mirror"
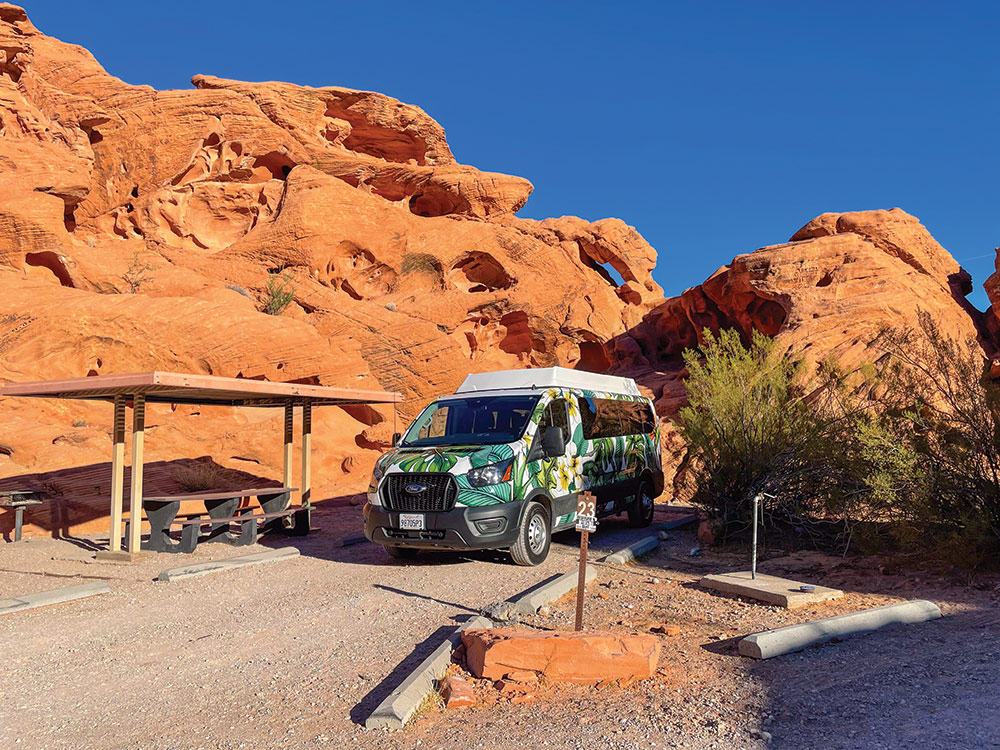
(396, 437)
(553, 442)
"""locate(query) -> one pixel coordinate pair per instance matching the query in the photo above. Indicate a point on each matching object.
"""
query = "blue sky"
(712, 127)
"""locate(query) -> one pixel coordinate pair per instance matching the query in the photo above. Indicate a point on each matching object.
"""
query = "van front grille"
(400, 492)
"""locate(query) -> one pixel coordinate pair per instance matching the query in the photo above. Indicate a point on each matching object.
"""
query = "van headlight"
(491, 473)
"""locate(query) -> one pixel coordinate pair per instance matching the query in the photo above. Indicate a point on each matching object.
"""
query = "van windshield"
(475, 420)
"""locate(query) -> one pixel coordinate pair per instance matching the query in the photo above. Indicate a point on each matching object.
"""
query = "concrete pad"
(56, 596)
(796, 637)
(401, 703)
(634, 550)
(217, 566)
(782, 592)
(104, 555)
(529, 601)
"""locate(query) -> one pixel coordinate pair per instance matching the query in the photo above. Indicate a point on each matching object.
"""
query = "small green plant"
(280, 293)
(137, 273)
(421, 263)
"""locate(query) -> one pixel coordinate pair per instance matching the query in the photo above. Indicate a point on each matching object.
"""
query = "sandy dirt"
(296, 654)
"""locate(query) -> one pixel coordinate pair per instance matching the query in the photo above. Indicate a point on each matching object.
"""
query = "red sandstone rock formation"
(825, 293)
(409, 269)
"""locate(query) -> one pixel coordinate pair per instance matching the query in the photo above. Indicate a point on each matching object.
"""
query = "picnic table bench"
(223, 508)
(17, 499)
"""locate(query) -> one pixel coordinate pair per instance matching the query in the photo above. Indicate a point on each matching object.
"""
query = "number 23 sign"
(586, 513)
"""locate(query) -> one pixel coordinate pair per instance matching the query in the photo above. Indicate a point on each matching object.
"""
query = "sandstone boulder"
(584, 658)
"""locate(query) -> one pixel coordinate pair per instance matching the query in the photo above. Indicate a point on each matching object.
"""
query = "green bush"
(756, 421)
(942, 407)
(903, 457)
(280, 293)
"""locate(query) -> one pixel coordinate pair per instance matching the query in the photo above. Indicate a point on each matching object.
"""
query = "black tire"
(401, 553)
(534, 537)
(640, 510)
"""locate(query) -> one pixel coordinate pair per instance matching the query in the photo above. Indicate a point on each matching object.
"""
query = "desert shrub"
(421, 263)
(904, 456)
(279, 293)
(137, 274)
(758, 421)
(201, 475)
(942, 407)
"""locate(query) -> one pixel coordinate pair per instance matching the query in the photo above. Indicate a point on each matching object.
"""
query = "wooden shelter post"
(135, 502)
(286, 475)
(306, 455)
(117, 473)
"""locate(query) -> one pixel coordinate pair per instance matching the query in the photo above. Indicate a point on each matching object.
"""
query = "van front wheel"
(401, 553)
(640, 510)
(533, 538)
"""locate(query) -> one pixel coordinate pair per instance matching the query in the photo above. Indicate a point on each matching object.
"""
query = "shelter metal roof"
(180, 388)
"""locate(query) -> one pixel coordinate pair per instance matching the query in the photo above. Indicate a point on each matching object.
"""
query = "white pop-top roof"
(547, 377)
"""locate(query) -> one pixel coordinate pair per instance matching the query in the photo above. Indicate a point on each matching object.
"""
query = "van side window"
(556, 415)
(601, 418)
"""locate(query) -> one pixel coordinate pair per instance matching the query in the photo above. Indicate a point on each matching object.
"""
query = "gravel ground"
(291, 654)
(296, 654)
(929, 685)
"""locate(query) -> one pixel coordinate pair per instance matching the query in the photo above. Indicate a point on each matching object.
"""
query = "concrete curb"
(217, 566)
(528, 602)
(796, 637)
(56, 596)
(634, 550)
(676, 523)
(401, 703)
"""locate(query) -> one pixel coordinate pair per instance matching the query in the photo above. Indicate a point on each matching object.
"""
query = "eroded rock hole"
(480, 272)
(767, 315)
(278, 164)
(52, 262)
(434, 201)
(607, 271)
(826, 280)
(593, 357)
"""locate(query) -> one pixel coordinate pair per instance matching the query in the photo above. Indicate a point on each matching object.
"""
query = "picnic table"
(18, 499)
(138, 389)
(223, 509)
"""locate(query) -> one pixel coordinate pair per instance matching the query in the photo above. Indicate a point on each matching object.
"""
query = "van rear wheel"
(640, 510)
(533, 538)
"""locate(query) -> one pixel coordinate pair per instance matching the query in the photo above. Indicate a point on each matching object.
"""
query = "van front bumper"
(486, 527)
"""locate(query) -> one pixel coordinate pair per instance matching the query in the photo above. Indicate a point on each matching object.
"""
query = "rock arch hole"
(593, 357)
(480, 272)
(52, 262)
(278, 164)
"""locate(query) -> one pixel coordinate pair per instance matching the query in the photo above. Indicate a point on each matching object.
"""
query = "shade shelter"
(138, 389)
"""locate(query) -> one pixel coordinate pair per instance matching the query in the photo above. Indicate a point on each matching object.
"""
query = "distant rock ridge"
(409, 269)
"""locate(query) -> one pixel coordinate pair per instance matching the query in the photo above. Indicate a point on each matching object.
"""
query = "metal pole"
(581, 582)
(753, 559)
(18, 521)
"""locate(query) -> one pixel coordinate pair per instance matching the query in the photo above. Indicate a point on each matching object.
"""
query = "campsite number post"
(586, 523)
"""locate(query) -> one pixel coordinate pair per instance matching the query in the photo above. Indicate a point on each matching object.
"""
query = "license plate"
(411, 521)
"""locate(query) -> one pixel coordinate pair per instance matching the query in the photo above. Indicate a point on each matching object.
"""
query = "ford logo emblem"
(415, 489)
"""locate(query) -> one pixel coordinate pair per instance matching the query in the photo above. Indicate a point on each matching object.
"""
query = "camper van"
(499, 463)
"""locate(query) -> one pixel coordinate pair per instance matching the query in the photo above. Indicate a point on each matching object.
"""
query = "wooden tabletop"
(219, 494)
